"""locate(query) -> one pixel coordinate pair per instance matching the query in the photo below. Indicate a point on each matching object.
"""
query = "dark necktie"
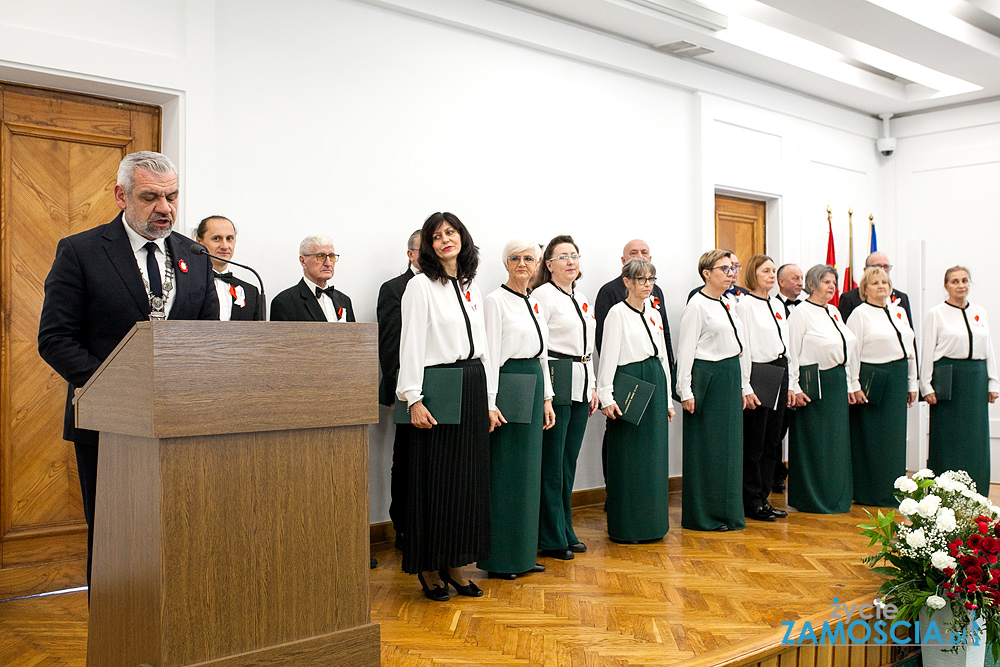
(153, 270)
(226, 277)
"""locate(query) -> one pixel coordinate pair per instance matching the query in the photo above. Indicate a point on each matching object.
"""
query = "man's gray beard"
(149, 231)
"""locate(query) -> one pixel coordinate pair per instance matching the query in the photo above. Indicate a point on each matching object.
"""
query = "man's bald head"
(635, 248)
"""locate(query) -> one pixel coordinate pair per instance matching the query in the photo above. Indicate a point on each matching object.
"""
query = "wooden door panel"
(740, 226)
(60, 159)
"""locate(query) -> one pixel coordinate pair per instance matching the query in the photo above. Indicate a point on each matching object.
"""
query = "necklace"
(157, 305)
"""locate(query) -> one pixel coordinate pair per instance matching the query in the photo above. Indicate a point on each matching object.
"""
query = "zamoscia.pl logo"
(874, 624)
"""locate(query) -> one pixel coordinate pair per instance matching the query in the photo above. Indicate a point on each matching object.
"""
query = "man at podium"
(106, 279)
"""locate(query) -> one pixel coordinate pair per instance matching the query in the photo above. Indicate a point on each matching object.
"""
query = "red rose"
(975, 541)
(991, 559)
(948, 572)
(973, 574)
(983, 528)
(968, 561)
(991, 545)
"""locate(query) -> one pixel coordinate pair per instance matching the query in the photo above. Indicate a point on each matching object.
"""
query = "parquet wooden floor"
(692, 598)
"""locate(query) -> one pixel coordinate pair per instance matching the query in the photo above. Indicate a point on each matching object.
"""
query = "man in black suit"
(106, 279)
(390, 324)
(238, 300)
(790, 283)
(851, 299)
(311, 300)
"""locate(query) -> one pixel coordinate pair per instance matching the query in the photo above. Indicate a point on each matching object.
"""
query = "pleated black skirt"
(448, 513)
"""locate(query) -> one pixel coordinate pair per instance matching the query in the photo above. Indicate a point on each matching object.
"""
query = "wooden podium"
(232, 503)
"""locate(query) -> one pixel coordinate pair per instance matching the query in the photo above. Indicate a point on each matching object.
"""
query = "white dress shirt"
(789, 304)
(139, 251)
(766, 327)
(572, 329)
(947, 332)
(711, 330)
(816, 335)
(225, 300)
(434, 331)
(883, 335)
(326, 303)
(515, 329)
(629, 336)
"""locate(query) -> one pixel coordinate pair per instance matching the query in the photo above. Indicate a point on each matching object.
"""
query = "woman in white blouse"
(516, 337)
(884, 381)
(449, 471)
(819, 445)
(569, 316)
(958, 378)
(638, 461)
(763, 317)
(714, 387)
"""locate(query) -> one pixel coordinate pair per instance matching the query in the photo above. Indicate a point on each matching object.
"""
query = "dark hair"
(430, 263)
(203, 225)
(543, 275)
(750, 275)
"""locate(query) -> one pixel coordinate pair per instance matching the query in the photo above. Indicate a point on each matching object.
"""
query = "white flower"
(946, 519)
(908, 506)
(928, 507)
(916, 538)
(923, 474)
(905, 484)
(935, 602)
(942, 560)
(949, 484)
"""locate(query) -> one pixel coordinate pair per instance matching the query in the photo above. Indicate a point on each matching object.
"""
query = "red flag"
(831, 259)
(849, 280)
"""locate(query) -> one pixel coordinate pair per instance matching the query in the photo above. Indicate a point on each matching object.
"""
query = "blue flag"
(873, 245)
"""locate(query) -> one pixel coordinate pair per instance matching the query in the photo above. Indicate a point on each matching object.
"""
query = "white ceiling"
(860, 54)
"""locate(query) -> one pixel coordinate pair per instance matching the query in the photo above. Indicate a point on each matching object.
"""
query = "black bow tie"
(328, 291)
(226, 277)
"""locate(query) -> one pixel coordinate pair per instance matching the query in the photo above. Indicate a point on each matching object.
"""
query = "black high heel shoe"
(470, 590)
(438, 593)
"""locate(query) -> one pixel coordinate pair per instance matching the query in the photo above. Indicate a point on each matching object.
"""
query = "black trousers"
(762, 434)
(399, 479)
(86, 465)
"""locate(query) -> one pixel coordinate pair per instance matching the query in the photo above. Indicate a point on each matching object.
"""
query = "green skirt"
(878, 438)
(638, 464)
(819, 450)
(960, 427)
(516, 483)
(712, 492)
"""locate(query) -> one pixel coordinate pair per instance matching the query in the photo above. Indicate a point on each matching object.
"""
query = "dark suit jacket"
(299, 304)
(390, 324)
(94, 295)
(251, 310)
(851, 299)
(614, 292)
(735, 290)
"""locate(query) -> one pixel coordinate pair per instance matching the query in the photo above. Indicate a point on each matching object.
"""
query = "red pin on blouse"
(652, 321)
(182, 266)
(536, 309)
(899, 316)
(656, 302)
(777, 316)
(977, 318)
(584, 306)
(468, 296)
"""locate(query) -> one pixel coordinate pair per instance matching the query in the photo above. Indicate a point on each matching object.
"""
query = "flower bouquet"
(946, 555)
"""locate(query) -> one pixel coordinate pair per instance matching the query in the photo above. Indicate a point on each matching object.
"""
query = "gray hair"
(816, 274)
(415, 236)
(158, 163)
(518, 245)
(638, 267)
(314, 241)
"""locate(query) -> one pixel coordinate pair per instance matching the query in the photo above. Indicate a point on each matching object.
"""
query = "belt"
(559, 355)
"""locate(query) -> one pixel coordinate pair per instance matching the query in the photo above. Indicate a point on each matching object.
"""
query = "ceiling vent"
(683, 49)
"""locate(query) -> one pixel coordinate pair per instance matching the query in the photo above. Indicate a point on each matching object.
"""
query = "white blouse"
(515, 329)
(766, 327)
(948, 331)
(816, 335)
(572, 329)
(711, 330)
(434, 331)
(629, 336)
(883, 335)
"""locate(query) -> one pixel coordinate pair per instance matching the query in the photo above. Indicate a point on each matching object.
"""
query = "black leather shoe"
(778, 486)
(775, 512)
(759, 514)
(373, 563)
(577, 548)
(561, 554)
(537, 568)
(623, 541)
(722, 529)
(439, 593)
(470, 590)
(506, 576)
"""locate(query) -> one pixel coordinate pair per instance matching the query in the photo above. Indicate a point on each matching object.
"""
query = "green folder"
(873, 384)
(516, 397)
(941, 382)
(765, 380)
(561, 374)
(700, 380)
(442, 389)
(809, 381)
(632, 396)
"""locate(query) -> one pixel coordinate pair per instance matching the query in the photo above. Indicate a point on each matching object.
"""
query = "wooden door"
(59, 156)
(739, 226)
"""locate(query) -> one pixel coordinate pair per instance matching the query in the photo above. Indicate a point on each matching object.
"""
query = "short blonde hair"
(871, 273)
(708, 260)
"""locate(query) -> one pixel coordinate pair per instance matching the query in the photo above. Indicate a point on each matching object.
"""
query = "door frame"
(773, 229)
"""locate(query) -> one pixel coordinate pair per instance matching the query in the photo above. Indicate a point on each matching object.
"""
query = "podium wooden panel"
(232, 507)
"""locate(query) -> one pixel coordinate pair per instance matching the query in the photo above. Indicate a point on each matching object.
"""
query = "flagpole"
(871, 223)
(850, 245)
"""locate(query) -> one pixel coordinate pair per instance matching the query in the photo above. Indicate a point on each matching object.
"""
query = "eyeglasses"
(728, 270)
(737, 267)
(885, 267)
(566, 258)
(528, 259)
(645, 280)
(321, 257)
